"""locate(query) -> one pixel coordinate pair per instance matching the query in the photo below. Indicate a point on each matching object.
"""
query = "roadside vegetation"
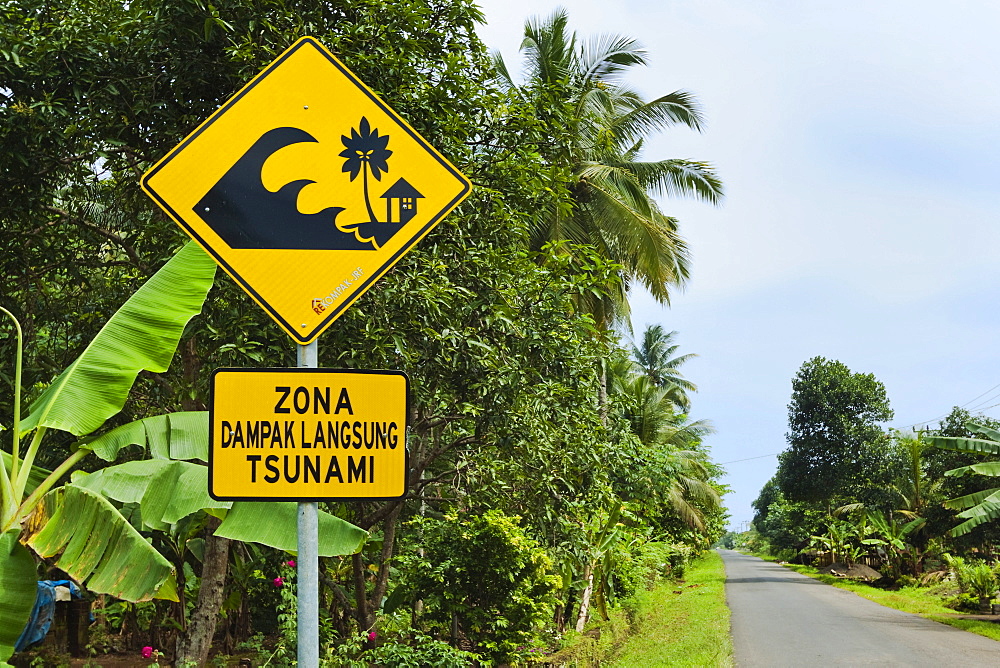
(904, 518)
(556, 469)
(684, 624)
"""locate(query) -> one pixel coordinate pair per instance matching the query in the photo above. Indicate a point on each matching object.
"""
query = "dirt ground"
(852, 572)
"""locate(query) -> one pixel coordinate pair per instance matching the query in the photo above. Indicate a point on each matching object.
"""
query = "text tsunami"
(311, 433)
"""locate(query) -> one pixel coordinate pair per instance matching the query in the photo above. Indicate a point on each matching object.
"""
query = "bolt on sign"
(306, 188)
(307, 434)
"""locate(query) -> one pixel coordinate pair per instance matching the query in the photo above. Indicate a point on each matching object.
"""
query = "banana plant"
(97, 545)
(601, 538)
(76, 522)
(982, 506)
(894, 536)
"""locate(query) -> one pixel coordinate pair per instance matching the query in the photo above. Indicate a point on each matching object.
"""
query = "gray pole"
(307, 565)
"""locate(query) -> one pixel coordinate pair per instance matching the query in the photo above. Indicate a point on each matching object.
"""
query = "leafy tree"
(769, 495)
(836, 448)
(786, 525)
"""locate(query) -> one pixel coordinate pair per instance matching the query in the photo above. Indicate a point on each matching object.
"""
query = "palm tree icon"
(366, 151)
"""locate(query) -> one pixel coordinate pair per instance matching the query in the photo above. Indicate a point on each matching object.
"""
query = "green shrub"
(421, 652)
(786, 555)
(599, 644)
(678, 558)
(487, 574)
(642, 566)
(963, 603)
(957, 567)
(978, 579)
(752, 542)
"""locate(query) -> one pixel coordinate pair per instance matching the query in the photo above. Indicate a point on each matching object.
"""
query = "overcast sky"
(858, 143)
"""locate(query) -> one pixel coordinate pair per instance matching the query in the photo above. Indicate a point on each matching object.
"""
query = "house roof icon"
(401, 188)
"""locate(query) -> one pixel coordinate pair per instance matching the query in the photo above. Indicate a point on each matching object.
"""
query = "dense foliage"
(848, 490)
(535, 499)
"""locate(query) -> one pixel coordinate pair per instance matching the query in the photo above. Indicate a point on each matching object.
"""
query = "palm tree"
(670, 444)
(655, 355)
(612, 191)
(365, 150)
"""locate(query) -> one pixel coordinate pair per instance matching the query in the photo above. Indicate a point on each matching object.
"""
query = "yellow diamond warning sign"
(306, 188)
(307, 434)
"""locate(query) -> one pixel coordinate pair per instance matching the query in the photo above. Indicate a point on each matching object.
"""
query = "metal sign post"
(307, 565)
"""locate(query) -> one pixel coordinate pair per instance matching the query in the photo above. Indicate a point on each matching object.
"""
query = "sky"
(860, 151)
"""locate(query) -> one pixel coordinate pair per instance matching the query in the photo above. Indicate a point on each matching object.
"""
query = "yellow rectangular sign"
(307, 434)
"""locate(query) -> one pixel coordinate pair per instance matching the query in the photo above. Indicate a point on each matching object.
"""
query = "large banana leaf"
(98, 546)
(172, 436)
(964, 444)
(981, 513)
(167, 491)
(974, 499)
(275, 523)
(143, 334)
(985, 468)
(988, 432)
(17, 592)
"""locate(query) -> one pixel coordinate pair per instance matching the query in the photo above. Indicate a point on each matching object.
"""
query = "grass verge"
(683, 625)
(917, 600)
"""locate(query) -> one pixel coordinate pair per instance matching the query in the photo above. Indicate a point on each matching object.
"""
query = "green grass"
(917, 600)
(683, 624)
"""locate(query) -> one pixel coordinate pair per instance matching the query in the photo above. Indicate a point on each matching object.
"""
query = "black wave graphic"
(247, 215)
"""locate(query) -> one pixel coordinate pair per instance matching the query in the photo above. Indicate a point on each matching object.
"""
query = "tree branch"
(107, 234)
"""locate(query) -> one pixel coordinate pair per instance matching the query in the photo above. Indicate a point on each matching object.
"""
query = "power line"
(984, 393)
(773, 454)
(974, 408)
(978, 407)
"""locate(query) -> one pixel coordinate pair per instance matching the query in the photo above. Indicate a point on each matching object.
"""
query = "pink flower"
(290, 563)
(278, 581)
(147, 652)
(371, 636)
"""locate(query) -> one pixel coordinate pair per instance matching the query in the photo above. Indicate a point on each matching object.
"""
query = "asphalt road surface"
(781, 618)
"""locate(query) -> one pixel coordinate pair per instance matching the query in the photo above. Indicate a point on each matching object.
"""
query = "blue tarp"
(42, 613)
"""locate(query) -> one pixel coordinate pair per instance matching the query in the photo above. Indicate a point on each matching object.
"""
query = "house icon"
(406, 201)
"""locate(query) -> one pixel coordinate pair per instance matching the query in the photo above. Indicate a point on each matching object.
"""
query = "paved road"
(781, 618)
